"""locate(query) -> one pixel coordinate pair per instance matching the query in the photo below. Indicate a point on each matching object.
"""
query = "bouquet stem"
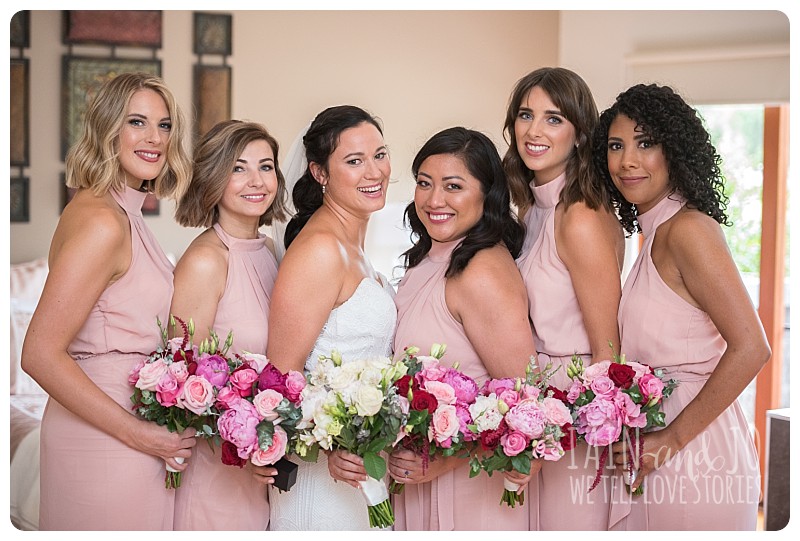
(510, 495)
(379, 507)
(395, 487)
(173, 477)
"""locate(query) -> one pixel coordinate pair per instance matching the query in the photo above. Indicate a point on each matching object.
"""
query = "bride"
(328, 296)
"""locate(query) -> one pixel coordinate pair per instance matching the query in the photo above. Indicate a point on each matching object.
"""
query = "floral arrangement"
(260, 408)
(518, 421)
(354, 406)
(617, 399)
(439, 398)
(177, 384)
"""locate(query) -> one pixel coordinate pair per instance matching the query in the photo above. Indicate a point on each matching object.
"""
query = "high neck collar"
(240, 244)
(131, 200)
(440, 251)
(660, 213)
(547, 195)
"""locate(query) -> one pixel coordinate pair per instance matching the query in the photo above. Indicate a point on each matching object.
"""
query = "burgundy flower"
(558, 394)
(570, 437)
(424, 400)
(272, 378)
(490, 439)
(621, 374)
(230, 456)
(402, 385)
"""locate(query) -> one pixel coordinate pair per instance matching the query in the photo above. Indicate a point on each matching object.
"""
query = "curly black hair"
(692, 161)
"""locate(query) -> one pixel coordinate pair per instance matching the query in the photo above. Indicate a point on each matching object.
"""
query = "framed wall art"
(21, 29)
(121, 27)
(212, 96)
(82, 78)
(19, 113)
(19, 196)
(212, 33)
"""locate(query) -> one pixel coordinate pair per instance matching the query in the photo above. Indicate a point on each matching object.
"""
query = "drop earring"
(323, 189)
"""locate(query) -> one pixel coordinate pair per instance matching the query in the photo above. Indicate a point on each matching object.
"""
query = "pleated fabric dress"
(559, 332)
(713, 483)
(214, 496)
(453, 501)
(90, 480)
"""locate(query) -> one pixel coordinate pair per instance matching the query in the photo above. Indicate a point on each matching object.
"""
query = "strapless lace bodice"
(362, 327)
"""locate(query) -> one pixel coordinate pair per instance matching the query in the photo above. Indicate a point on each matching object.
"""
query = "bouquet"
(439, 398)
(354, 406)
(177, 384)
(617, 399)
(260, 408)
(519, 421)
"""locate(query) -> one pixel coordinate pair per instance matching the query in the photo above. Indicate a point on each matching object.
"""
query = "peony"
(150, 374)
(444, 424)
(530, 391)
(629, 411)
(238, 426)
(214, 368)
(265, 402)
(513, 443)
(242, 380)
(556, 412)
(527, 417)
(464, 419)
(491, 438)
(485, 412)
(197, 395)
(464, 386)
(272, 378)
(276, 451)
(599, 422)
(497, 386)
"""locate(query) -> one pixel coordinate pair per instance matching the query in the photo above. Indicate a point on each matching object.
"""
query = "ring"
(631, 477)
(406, 473)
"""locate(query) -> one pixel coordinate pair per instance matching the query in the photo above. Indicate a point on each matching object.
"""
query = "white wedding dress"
(362, 327)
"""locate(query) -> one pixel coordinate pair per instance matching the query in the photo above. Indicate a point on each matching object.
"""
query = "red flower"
(621, 374)
(402, 385)
(230, 457)
(558, 394)
(490, 439)
(570, 437)
(424, 400)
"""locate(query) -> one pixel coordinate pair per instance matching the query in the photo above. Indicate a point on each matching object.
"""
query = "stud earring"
(323, 189)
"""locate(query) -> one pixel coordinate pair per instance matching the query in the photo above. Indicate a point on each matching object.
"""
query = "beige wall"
(418, 71)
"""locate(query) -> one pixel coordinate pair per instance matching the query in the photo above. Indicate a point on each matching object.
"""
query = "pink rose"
(529, 391)
(276, 451)
(133, 377)
(595, 370)
(168, 389)
(265, 402)
(443, 392)
(254, 360)
(227, 398)
(444, 423)
(652, 388)
(242, 381)
(513, 443)
(214, 368)
(295, 383)
(432, 370)
(197, 395)
(464, 419)
(179, 370)
(509, 396)
(603, 386)
(464, 386)
(150, 374)
(527, 417)
(556, 412)
(640, 369)
(238, 426)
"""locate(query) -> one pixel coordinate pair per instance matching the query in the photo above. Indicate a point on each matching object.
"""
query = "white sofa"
(27, 399)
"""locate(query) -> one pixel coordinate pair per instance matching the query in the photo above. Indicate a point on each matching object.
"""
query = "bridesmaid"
(461, 288)
(224, 282)
(684, 308)
(108, 282)
(571, 262)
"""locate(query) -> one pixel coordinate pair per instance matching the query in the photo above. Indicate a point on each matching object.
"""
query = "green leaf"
(375, 465)
(521, 463)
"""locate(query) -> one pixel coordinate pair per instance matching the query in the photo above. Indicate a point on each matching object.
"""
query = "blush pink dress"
(559, 332)
(452, 501)
(90, 480)
(214, 496)
(713, 483)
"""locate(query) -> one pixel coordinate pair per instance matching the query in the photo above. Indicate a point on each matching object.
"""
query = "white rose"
(344, 376)
(368, 400)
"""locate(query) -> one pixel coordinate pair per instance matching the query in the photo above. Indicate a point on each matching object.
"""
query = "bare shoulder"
(690, 232)
(94, 219)
(586, 234)
(205, 257)
(489, 271)
(579, 221)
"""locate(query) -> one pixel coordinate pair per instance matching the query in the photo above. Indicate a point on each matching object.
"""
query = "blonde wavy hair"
(93, 161)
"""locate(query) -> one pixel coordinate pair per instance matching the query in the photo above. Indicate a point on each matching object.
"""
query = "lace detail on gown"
(362, 327)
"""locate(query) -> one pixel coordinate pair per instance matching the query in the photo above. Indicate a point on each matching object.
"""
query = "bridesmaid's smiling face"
(143, 137)
(448, 198)
(252, 184)
(637, 164)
